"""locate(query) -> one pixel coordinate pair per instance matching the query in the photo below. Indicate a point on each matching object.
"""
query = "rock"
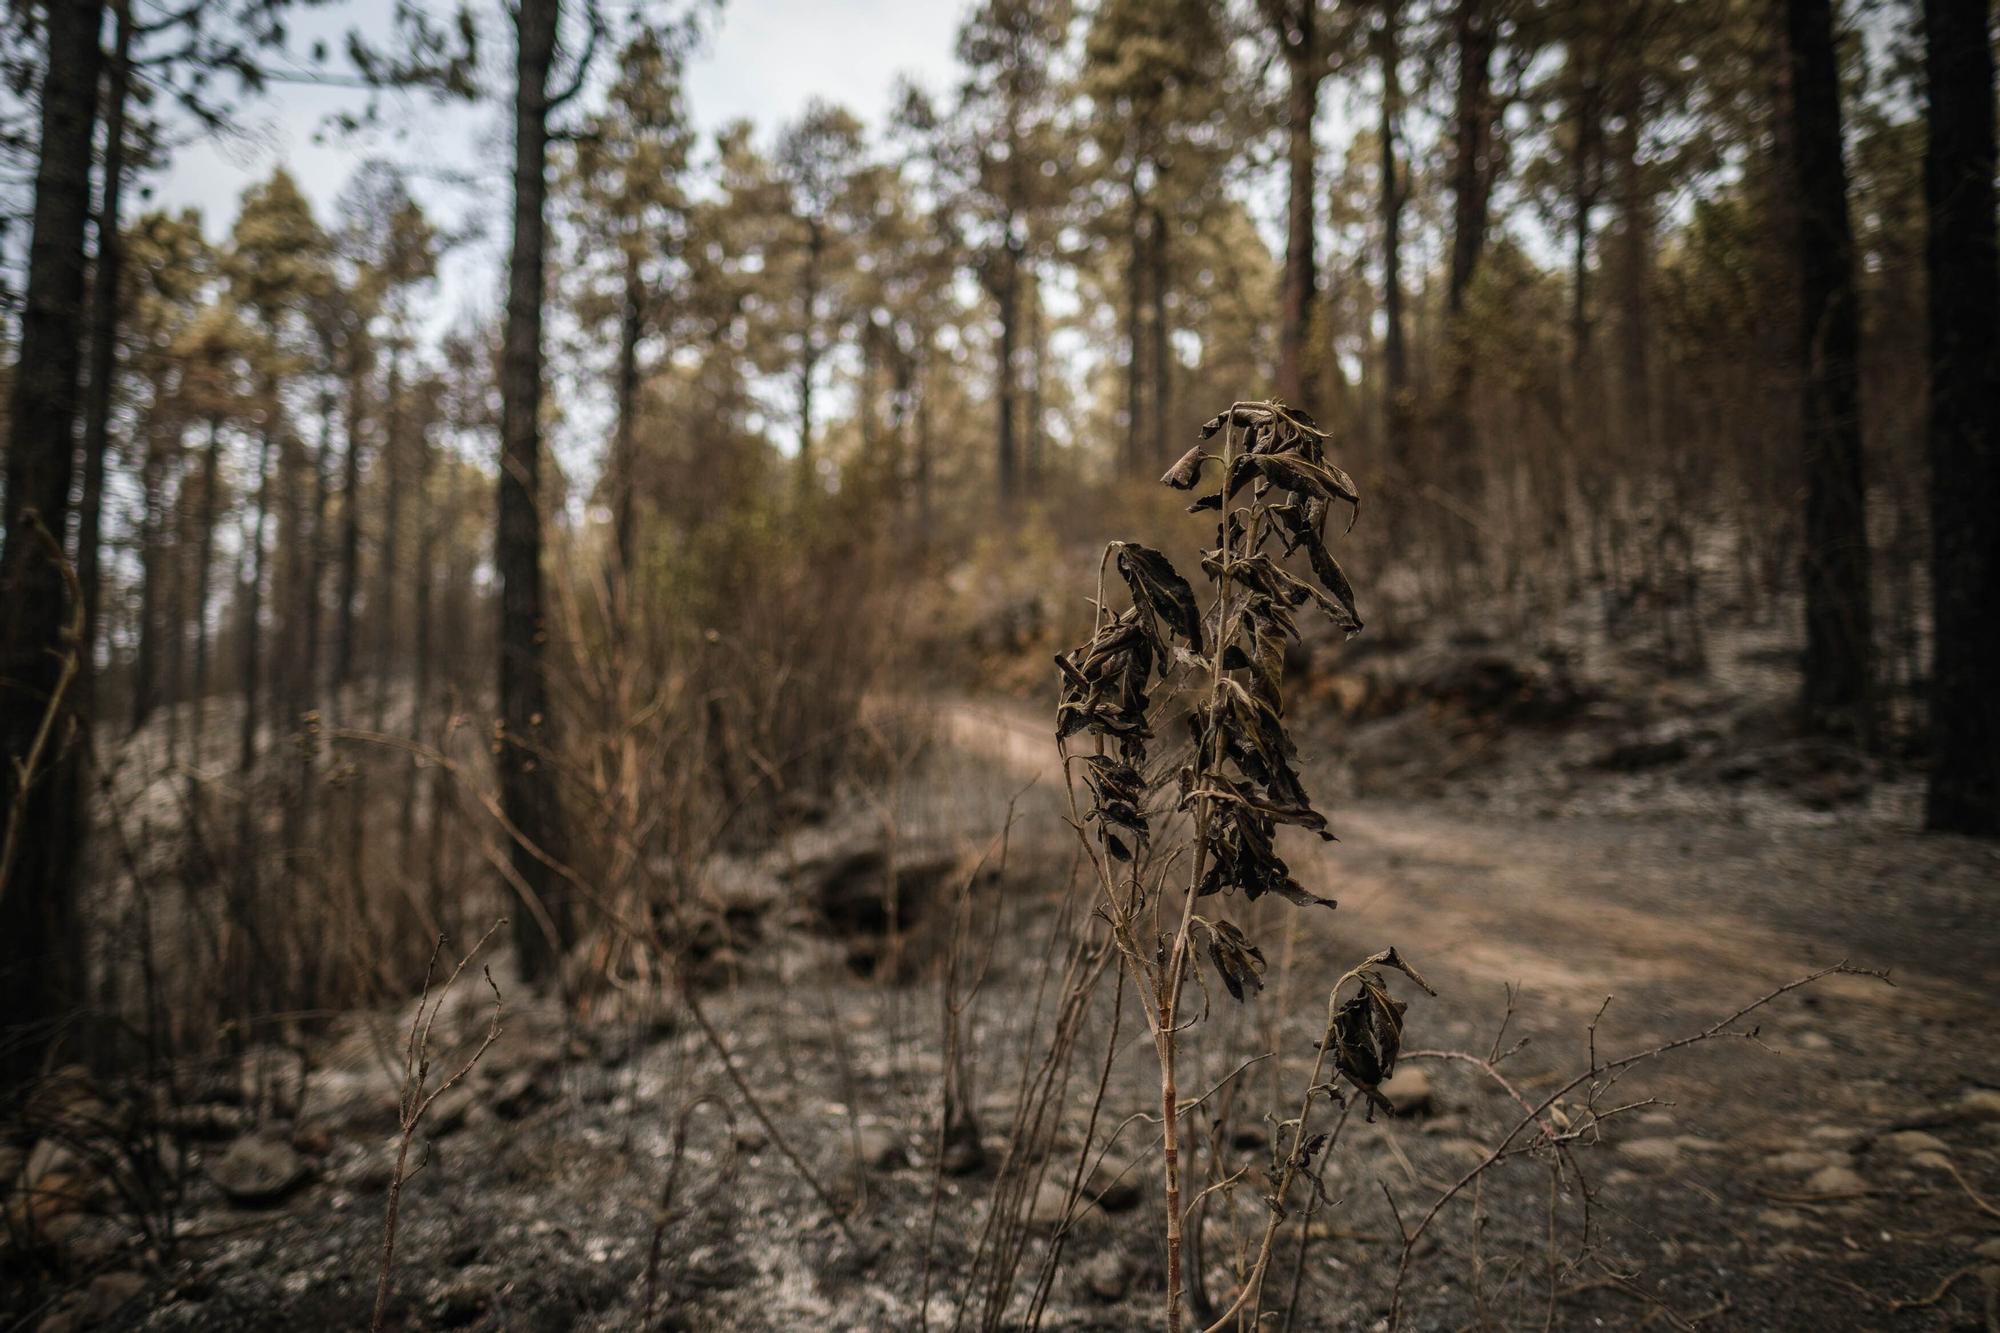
(1799, 1162)
(1114, 1188)
(1988, 1249)
(1105, 1276)
(259, 1170)
(1835, 1136)
(1813, 1041)
(1657, 1154)
(879, 1148)
(963, 1155)
(1911, 1142)
(447, 1113)
(1931, 1161)
(1836, 1180)
(1981, 1103)
(750, 1138)
(1408, 1090)
(1780, 1219)
(1052, 1204)
(518, 1093)
(107, 1294)
(1633, 756)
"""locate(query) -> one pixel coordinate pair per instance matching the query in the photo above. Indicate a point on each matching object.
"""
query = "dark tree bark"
(1839, 638)
(527, 777)
(1631, 273)
(1295, 23)
(386, 572)
(350, 505)
(205, 520)
(1395, 193)
(39, 958)
(1007, 291)
(1964, 272)
(631, 327)
(1472, 186)
(146, 675)
(1135, 372)
(809, 348)
(1157, 284)
(102, 357)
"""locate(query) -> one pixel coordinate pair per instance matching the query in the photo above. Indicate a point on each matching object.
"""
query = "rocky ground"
(1536, 838)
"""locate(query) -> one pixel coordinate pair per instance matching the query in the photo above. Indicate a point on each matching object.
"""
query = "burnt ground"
(1840, 1170)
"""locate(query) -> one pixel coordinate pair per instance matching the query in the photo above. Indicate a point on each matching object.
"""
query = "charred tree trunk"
(1964, 271)
(40, 961)
(1135, 270)
(1839, 639)
(384, 608)
(1007, 290)
(103, 354)
(350, 509)
(809, 349)
(204, 560)
(631, 326)
(152, 578)
(1156, 290)
(1304, 68)
(1472, 183)
(1395, 193)
(527, 775)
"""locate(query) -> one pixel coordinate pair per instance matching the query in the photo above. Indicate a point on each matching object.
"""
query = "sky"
(762, 60)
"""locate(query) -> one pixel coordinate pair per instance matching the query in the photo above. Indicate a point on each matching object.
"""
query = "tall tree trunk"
(1007, 288)
(1395, 193)
(1156, 290)
(1839, 639)
(527, 777)
(152, 578)
(211, 468)
(102, 357)
(386, 572)
(350, 509)
(631, 324)
(1135, 363)
(40, 961)
(809, 352)
(1631, 272)
(1964, 272)
(420, 631)
(1032, 460)
(1304, 68)
(1472, 184)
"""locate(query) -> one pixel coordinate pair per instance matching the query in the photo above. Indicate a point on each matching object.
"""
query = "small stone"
(107, 1294)
(1781, 1219)
(750, 1138)
(1115, 1190)
(447, 1113)
(1408, 1090)
(1105, 1276)
(1052, 1204)
(1911, 1142)
(1836, 1180)
(259, 1170)
(1813, 1041)
(879, 1148)
(1981, 1103)
(1835, 1136)
(1470, 1152)
(963, 1156)
(519, 1093)
(1931, 1161)
(1799, 1162)
(1988, 1249)
(1657, 1153)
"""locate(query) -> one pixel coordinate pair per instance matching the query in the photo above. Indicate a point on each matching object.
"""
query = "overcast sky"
(762, 60)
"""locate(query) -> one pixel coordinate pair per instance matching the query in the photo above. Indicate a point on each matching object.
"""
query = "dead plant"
(1235, 782)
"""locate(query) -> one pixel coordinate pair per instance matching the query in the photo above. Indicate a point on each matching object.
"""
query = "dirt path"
(1830, 1141)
